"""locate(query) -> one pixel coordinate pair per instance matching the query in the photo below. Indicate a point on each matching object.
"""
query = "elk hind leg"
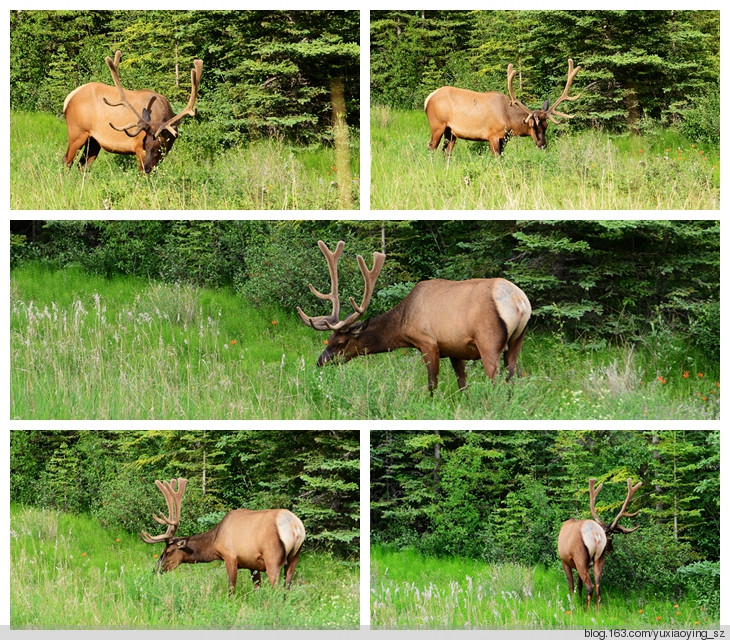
(437, 131)
(449, 141)
(514, 346)
(91, 151)
(460, 369)
(569, 574)
(490, 348)
(75, 142)
(289, 569)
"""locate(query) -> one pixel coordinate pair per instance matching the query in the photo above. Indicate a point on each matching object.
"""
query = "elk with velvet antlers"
(460, 320)
(266, 540)
(583, 544)
(128, 122)
(491, 116)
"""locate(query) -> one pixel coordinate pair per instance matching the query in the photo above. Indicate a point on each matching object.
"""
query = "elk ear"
(546, 105)
(359, 328)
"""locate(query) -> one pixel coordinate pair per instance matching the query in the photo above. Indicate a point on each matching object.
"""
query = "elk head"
(159, 136)
(345, 339)
(585, 543)
(174, 551)
(536, 119)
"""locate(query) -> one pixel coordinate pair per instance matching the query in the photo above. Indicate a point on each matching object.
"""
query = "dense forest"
(111, 474)
(501, 496)
(595, 282)
(638, 67)
(265, 73)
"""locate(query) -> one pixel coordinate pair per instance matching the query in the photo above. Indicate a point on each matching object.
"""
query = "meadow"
(413, 591)
(264, 174)
(86, 347)
(67, 572)
(588, 170)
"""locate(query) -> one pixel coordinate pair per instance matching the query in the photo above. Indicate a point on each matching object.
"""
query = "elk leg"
(436, 133)
(569, 573)
(91, 150)
(431, 358)
(289, 573)
(74, 144)
(449, 141)
(512, 353)
(256, 578)
(232, 571)
(585, 577)
(460, 369)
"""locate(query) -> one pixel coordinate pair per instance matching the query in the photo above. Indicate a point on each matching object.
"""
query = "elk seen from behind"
(460, 320)
(583, 544)
(100, 116)
(490, 116)
(264, 540)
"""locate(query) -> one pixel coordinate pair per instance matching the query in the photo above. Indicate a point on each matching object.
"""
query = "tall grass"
(589, 170)
(67, 572)
(413, 591)
(84, 347)
(264, 174)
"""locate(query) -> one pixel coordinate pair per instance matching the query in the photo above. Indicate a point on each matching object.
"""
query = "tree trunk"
(342, 145)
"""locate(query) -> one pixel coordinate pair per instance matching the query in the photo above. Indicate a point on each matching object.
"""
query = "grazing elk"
(466, 320)
(491, 116)
(127, 122)
(585, 543)
(265, 540)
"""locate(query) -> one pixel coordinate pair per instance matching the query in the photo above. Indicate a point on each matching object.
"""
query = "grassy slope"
(88, 348)
(262, 175)
(409, 590)
(583, 171)
(67, 572)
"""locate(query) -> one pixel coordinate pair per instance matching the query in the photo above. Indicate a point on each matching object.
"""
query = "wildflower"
(718, 384)
(685, 375)
(676, 606)
(641, 611)
(326, 342)
(334, 168)
(679, 613)
(83, 555)
(661, 379)
(658, 618)
(117, 540)
(700, 374)
(567, 613)
(233, 342)
(274, 322)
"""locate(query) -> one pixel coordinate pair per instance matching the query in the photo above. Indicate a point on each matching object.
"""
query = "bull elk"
(265, 540)
(464, 320)
(142, 123)
(491, 116)
(585, 543)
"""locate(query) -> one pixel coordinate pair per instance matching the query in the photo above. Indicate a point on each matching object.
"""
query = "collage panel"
(185, 528)
(365, 320)
(484, 529)
(578, 110)
(262, 109)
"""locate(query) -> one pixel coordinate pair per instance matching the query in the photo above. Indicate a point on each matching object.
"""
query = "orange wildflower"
(685, 375)
(700, 374)
(233, 341)
(661, 379)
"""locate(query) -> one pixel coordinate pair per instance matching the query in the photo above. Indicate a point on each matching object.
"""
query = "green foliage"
(701, 581)
(701, 122)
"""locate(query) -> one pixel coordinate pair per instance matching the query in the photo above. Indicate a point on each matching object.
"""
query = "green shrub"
(701, 582)
(702, 120)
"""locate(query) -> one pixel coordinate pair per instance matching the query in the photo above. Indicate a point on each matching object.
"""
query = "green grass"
(84, 347)
(587, 170)
(263, 174)
(410, 590)
(68, 572)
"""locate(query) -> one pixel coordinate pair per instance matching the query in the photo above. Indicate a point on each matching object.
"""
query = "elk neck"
(202, 546)
(384, 332)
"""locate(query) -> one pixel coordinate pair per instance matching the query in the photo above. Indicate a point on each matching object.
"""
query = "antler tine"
(173, 498)
(592, 494)
(114, 69)
(622, 514)
(511, 73)
(195, 73)
(571, 74)
(369, 276)
(322, 323)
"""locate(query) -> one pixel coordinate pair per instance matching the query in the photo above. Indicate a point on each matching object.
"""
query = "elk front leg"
(232, 571)
(431, 358)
